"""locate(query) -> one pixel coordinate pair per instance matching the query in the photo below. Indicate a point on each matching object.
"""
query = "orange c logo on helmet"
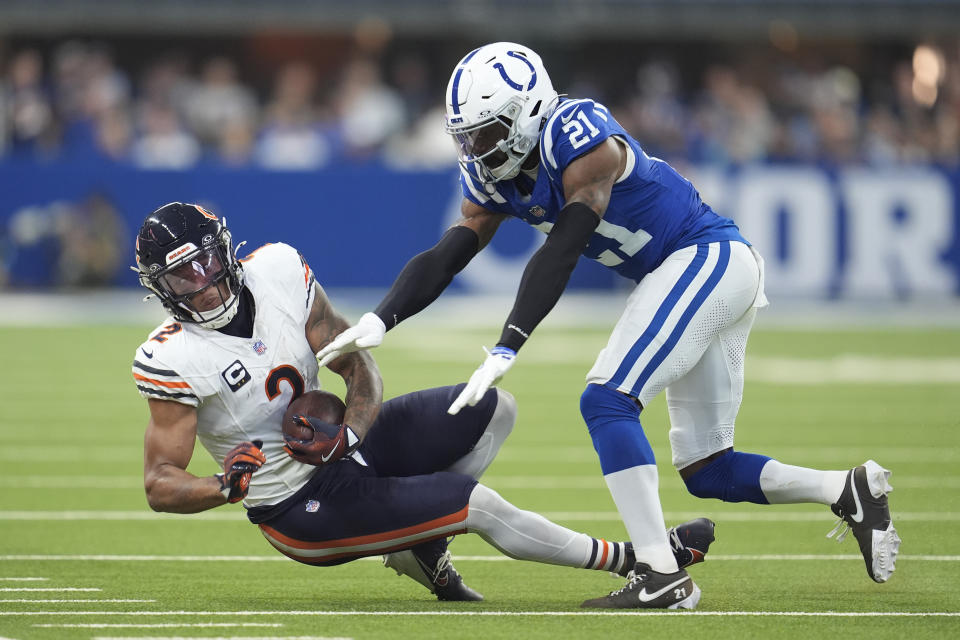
(205, 212)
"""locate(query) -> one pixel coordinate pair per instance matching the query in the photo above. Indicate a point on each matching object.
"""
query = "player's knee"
(484, 507)
(600, 406)
(731, 477)
(505, 415)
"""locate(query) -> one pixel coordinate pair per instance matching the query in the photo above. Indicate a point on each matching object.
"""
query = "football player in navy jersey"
(394, 478)
(566, 167)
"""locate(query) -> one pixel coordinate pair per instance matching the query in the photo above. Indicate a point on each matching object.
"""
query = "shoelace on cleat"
(675, 539)
(443, 562)
(843, 533)
(632, 579)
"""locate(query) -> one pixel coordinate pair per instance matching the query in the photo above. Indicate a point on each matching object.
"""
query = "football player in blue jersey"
(566, 167)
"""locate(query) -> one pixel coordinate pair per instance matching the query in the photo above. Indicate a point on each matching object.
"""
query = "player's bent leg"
(429, 563)
(414, 434)
(629, 469)
(346, 512)
(476, 461)
(731, 476)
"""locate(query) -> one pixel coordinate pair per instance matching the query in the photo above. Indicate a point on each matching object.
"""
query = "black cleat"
(429, 564)
(648, 589)
(690, 541)
(869, 518)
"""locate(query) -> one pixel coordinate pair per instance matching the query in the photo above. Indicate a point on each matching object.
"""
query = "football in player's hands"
(322, 405)
(314, 432)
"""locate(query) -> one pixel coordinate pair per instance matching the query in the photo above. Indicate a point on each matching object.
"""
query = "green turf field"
(82, 556)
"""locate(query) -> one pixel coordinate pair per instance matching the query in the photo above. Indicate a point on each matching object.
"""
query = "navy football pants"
(403, 497)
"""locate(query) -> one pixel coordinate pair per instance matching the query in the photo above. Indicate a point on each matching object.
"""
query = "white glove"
(366, 334)
(498, 362)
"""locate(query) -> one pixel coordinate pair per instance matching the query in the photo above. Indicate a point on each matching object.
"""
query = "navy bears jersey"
(242, 386)
(653, 210)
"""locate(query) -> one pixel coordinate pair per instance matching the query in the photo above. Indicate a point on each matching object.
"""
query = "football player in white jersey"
(395, 478)
(566, 167)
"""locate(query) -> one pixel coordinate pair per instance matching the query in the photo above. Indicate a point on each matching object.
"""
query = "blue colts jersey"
(653, 210)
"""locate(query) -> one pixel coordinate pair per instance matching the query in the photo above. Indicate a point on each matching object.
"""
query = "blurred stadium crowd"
(99, 100)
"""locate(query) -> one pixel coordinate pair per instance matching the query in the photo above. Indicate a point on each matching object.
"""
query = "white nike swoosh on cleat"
(647, 597)
(858, 515)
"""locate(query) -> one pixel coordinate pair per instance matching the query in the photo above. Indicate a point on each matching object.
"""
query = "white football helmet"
(498, 99)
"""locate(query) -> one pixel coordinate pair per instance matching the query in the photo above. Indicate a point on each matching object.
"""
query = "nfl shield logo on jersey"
(537, 210)
(312, 506)
(259, 347)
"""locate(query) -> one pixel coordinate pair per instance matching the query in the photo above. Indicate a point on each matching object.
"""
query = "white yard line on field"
(5, 589)
(59, 601)
(215, 638)
(814, 614)
(24, 579)
(211, 638)
(158, 625)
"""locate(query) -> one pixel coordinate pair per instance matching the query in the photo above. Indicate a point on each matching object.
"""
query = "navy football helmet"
(184, 250)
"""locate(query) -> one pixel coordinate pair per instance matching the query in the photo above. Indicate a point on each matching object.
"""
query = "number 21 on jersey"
(578, 136)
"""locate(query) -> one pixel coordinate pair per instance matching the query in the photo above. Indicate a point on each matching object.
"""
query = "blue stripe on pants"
(722, 261)
(660, 316)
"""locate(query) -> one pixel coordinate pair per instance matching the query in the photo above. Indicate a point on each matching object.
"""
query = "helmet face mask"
(185, 256)
(498, 99)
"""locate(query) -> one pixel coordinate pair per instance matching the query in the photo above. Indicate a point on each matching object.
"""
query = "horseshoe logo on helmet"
(503, 72)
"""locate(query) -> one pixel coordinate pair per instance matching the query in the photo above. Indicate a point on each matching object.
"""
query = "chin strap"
(230, 307)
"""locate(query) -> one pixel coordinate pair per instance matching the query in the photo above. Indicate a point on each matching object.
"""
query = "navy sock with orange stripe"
(616, 557)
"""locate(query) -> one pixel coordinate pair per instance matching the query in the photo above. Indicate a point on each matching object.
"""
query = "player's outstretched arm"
(358, 370)
(167, 449)
(587, 183)
(420, 282)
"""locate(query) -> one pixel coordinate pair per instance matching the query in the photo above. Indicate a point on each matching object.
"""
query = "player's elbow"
(157, 496)
(155, 502)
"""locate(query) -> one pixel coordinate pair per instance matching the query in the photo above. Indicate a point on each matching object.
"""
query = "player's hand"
(330, 442)
(498, 362)
(366, 334)
(238, 467)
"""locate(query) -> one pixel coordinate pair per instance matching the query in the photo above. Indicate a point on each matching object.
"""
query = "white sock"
(634, 491)
(526, 535)
(501, 424)
(787, 484)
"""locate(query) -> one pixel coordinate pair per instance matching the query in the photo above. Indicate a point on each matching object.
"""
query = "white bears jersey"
(242, 386)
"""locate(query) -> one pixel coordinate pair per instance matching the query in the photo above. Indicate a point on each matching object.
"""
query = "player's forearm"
(364, 391)
(173, 490)
(427, 274)
(547, 273)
